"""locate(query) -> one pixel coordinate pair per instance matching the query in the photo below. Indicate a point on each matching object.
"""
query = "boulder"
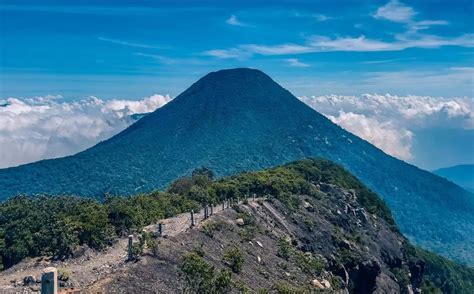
(29, 281)
(317, 284)
(385, 284)
(240, 221)
(326, 284)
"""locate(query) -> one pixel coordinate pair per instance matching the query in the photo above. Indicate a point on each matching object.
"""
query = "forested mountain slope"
(240, 119)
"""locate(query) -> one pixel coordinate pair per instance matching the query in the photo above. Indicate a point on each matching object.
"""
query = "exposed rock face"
(385, 285)
(335, 246)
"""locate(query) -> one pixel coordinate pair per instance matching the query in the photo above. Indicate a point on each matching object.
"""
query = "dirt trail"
(92, 266)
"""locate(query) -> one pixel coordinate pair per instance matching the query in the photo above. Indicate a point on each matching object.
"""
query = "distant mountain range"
(240, 119)
(463, 175)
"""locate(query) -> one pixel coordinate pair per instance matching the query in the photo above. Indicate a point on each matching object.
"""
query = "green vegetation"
(285, 288)
(442, 275)
(299, 178)
(284, 249)
(234, 259)
(200, 276)
(213, 226)
(306, 261)
(55, 226)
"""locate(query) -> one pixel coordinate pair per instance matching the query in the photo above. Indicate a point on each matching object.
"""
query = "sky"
(400, 74)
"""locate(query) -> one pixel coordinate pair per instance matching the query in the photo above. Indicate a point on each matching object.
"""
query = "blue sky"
(135, 56)
(136, 48)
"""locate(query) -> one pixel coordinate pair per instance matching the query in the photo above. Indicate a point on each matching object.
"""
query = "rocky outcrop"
(332, 244)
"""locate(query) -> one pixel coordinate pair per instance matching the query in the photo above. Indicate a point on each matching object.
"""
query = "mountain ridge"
(462, 175)
(258, 124)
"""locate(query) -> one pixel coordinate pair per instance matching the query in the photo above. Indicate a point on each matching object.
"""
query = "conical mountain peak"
(239, 86)
(239, 120)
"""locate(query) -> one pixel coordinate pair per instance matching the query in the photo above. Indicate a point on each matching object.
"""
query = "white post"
(49, 281)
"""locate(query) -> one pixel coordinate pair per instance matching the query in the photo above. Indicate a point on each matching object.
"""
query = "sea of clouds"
(38, 128)
(391, 122)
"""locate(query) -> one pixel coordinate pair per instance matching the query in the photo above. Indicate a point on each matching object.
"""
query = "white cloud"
(317, 44)
(355, 44)
(296, 63)
(322, 17)
(391, 122)
(46, 127)
(158, 58)
(385, 135)
(125, 43)
(234, 21)
(395, 11)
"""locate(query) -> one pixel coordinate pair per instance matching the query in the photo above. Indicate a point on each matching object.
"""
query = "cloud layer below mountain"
(392, 122)
(37, 128)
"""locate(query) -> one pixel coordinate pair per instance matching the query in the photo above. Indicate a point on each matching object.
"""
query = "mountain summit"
(240, 119)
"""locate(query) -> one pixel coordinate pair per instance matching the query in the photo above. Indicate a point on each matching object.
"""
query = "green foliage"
(298, 178)
(200, 276)
(234, 259)
(150, 243)
(442, 274)
(284, 249)
(211, 227)
(402, 276)
(64, 275)
(305, 260)
(133, 213)
(285, 288)
(197, 187)
(249, 229)
(241, 287)
(308, 263)
(54, 226)
(51, 226)
(429, 288)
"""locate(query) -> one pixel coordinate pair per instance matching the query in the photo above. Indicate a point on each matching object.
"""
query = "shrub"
(284, 249)
(308, 263)
(285, 288)
(234, 259)
(200, 277)
(213, 226)
(63, 275)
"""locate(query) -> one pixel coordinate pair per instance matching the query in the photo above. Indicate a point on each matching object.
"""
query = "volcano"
(240, 119)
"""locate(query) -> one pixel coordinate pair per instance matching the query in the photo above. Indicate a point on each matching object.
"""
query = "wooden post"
(130, 247)
(192, 218)
(49, 281)
(160, 229)
(212, 209)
